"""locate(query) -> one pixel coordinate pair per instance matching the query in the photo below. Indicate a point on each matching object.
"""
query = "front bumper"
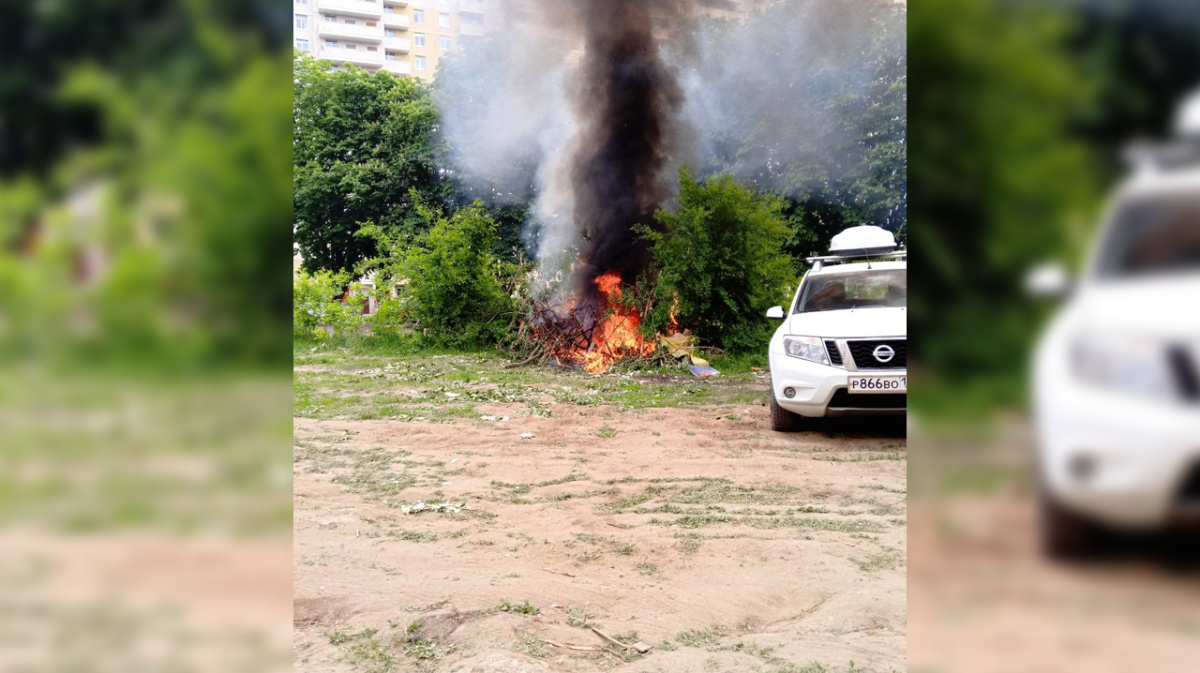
(1137, 455)
(821, 389)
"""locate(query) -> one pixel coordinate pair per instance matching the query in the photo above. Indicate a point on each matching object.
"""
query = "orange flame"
(616, 336)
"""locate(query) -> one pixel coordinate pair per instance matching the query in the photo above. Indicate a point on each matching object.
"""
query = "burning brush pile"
(611, 176)
(595, 334)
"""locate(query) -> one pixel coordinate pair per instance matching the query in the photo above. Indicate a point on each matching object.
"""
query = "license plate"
(879, 384)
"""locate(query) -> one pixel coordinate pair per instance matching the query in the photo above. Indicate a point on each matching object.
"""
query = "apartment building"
(403, 37)
(408, 37)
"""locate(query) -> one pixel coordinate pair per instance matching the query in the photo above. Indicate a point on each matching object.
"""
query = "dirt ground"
(689, 527)
(983, 599)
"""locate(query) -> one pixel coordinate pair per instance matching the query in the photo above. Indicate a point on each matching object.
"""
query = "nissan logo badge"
(884, 353)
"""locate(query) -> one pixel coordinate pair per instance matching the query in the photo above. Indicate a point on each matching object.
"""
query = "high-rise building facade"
(409, 37)
(403, 37)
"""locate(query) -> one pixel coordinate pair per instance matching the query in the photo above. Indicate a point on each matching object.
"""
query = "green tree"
(997, 180)
(364, 151)
(718, 262)
(823, 123)
(450, 281)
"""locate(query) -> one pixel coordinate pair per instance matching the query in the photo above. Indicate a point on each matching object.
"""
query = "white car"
(842, 347)
(1116, 375)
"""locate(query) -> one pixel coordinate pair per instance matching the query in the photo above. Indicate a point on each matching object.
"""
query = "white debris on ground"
(445, 507)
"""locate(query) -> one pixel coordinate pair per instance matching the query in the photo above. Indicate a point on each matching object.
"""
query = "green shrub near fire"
(718, 262)
(448, 281)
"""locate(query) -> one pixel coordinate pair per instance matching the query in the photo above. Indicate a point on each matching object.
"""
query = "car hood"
(851, 323)
(1165, 307)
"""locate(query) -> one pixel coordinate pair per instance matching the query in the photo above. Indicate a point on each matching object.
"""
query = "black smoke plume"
(627, 103)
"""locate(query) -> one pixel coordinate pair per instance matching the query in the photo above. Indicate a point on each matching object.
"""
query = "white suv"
(842, 347)
(1116, 377)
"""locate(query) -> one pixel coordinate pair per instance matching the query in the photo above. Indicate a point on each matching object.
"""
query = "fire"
(616, 336)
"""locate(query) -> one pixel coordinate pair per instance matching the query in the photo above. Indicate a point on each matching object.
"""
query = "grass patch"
(525, 608)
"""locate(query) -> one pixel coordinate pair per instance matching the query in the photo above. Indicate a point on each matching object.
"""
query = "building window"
(443, 19)
(419, 39)
(418, 16)
(444, 43)
(352, 22)
(302, 21)
(331, 43)
(419, 62)
(301, 2)
(351, 46)
(332, 18)
(471, 18)
(389, 10)
(302, 45)
(389, 56)
(388, 32)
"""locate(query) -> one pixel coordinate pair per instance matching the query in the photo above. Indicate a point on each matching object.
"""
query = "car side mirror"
(775, 313)
(1048, 281)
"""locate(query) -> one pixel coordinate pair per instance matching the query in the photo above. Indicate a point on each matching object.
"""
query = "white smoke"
(774, 84)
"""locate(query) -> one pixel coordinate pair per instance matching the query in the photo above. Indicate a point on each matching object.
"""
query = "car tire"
(1065, 534)
(782, 420)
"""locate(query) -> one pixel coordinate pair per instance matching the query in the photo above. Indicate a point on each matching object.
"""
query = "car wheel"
(1065, 534)
(782, 420)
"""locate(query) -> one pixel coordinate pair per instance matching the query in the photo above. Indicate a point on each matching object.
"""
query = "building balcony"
(466, 28)
(396, 3)
(398, 67)
(372, 10)
(338, 30)
(395, 21)
(359, 57)
(400, 44)
(476, 6)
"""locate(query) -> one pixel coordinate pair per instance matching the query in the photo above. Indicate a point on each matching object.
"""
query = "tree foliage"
(815, 112)
(718, 263)
(364, 152)
(146, 201)
(448, 280)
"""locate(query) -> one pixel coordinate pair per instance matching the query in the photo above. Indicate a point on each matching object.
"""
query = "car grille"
(835, 355)
(863, 353)
(844, 399)
(1187, 376)
(1189, 491)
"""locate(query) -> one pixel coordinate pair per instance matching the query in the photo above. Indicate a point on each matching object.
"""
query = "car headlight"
(806, 348)
(1135, 366)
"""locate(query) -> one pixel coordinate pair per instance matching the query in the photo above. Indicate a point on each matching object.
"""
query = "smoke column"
(627, 104)
(583, 112)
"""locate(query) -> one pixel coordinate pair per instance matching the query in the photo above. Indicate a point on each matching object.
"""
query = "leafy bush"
(719, 261)
(317, 309)
(448, 279)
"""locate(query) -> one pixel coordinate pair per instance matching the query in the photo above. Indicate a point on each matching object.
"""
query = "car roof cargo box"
(858, 243)
(862, 241)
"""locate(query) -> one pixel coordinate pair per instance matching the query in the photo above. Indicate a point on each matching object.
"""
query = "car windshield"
(857, 289)
(1152, 236)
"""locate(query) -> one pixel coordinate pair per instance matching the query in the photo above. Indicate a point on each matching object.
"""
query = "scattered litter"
(526, 435)
(703, 370)
(445, 483)
(322, 587)
(571, 646)
(356, 532)
(439, 507)
(453, 395)
(453, 460)
(639, 645)
(617, 525)
(557, 572)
